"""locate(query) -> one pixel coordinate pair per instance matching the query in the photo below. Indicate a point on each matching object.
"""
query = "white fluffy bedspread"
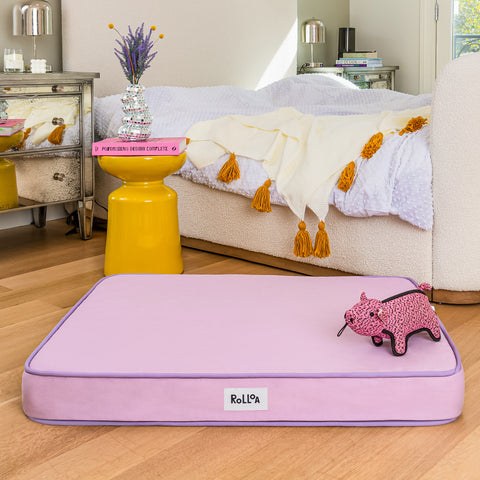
(396, 180)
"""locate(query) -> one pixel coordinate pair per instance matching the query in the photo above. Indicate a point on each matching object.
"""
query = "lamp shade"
(313, 31)
(32, 18)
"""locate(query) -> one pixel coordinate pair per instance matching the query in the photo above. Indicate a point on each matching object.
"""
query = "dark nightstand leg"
(39, 216)
(85, 218)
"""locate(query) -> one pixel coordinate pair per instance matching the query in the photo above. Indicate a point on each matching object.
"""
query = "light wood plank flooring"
(43, 273)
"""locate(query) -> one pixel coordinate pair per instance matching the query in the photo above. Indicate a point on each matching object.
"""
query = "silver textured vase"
(137, 120)
(3, 111)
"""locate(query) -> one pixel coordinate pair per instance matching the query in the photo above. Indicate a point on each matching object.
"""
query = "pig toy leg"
(399, 345)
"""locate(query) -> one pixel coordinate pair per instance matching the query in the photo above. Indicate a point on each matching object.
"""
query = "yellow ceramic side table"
(142, 231)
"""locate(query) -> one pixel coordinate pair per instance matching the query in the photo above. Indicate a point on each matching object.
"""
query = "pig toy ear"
(382, 315)
(363, 297)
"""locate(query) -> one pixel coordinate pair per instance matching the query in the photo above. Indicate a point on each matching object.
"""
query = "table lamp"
(313, 31)
(32, 18)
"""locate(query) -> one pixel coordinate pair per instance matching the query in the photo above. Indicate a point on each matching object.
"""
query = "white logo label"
(245, 399)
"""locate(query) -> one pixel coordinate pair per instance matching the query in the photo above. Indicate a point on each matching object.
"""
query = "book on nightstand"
(359, 62)
(151, 146)
(11, 126)
(361, 54)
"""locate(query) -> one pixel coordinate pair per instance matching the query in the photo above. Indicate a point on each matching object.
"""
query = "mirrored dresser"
(52, 160)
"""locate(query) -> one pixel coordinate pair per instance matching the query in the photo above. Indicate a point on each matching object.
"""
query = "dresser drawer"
(43, 115)
(16, 90)
(48, 178)
(370, 80)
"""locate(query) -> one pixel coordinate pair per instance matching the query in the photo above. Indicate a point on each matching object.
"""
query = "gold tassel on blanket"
(261, 200)
(303, 242)
(346, 177)
(372, 145)
(26, 134)
(413, 125)
(230, 170)
(56, 136)
(322, 243)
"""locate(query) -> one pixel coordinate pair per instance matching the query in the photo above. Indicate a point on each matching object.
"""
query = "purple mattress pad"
(235, 350)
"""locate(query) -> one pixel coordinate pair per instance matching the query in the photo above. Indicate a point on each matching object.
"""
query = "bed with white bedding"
(396, 189)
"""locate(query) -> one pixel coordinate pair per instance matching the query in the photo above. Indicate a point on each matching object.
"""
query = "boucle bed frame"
(448, 256)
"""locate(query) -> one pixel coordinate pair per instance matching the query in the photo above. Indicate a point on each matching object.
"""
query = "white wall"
(246, 43)
(393, 29)
(48, 46)
(334, 15)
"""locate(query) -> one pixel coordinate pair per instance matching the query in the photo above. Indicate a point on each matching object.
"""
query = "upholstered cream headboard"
(246, 43)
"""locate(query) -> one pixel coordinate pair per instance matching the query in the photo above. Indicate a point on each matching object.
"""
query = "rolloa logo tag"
(245, 399)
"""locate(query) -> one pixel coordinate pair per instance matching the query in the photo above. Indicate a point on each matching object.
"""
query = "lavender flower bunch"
(134, 51)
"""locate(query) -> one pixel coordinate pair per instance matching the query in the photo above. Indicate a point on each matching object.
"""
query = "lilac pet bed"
(235, 350)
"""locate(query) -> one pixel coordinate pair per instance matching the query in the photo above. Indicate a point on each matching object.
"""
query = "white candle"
(38, 65)
(13, 60)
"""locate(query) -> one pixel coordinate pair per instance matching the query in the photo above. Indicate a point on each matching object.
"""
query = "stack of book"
(11, 126)
(360, 59)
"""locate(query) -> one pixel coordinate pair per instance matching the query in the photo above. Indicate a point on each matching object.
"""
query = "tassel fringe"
(372, 145)
(26, 134)
(346, 177)
(303, 242)
(56, 136)
(322, 242)
(261, 200)
(230, 170)
(414, 124)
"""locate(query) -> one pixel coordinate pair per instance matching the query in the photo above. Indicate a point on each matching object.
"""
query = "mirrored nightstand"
(363, 77)
(52, 171)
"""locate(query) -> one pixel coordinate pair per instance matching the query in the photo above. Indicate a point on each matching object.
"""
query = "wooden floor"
(43, 273)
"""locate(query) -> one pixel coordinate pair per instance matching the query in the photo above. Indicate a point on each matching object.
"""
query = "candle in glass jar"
(13, 60)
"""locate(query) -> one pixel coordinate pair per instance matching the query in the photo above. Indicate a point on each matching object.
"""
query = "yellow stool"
(8, 179)
(142, 230)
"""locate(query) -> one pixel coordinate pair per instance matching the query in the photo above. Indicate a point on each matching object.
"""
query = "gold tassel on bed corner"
(303, 242)
(322, 242)
(372, 145)
(261, 200)
(414, 124)
(230, 170)
(346, 177)
(56, 136)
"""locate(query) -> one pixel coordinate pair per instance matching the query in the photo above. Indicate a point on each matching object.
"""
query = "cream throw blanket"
(303, 154)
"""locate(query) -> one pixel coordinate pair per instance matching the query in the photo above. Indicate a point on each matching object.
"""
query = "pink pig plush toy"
(396, 318)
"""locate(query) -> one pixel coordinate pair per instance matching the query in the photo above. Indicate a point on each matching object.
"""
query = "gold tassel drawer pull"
(230, 170)
(261, 200)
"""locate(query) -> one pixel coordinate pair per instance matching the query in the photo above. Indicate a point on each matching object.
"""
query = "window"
(466, 27)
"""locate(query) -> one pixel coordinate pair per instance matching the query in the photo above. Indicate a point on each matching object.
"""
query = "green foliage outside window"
(466, 27)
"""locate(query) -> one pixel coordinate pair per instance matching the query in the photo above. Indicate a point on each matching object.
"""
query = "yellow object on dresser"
(8, 178)
(142, 233)
(8, 185)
